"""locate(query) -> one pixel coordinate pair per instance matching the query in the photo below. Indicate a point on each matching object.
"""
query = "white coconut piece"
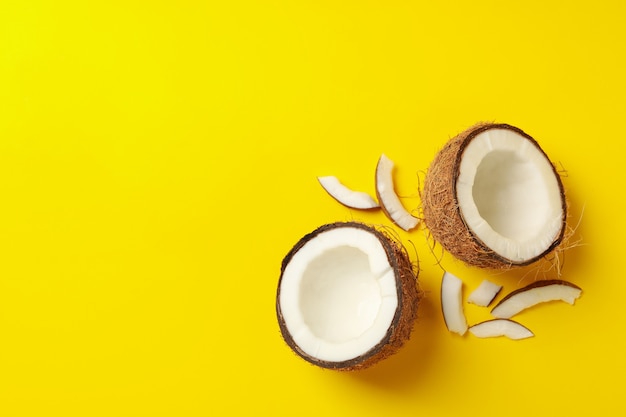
(536, 293)
(347, 296)
(501, 327)
(346, 196)
(509, 195)
(452, 303)
(484, 294)
(389, 201)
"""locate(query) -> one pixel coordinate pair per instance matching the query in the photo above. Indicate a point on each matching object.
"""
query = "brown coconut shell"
(406, 312)
(443, 216)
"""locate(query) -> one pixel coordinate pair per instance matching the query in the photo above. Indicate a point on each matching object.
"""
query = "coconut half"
(347, 296)
(493, 199)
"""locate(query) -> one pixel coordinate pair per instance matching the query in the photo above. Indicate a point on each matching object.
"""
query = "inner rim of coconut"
(509, 195)
(338, 294)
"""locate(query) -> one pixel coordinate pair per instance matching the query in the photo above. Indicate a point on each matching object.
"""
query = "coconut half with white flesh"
(493, 199)
(347, 296)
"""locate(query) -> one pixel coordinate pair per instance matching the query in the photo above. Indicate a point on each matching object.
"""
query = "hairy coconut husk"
(406, 313)
(442, 214)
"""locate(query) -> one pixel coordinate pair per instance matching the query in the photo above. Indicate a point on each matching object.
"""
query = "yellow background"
(158, 159)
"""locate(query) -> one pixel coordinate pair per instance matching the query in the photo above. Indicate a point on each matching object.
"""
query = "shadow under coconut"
(406, 368)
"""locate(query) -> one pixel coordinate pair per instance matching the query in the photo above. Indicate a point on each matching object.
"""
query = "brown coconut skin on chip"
(442, 213)
(406, 313)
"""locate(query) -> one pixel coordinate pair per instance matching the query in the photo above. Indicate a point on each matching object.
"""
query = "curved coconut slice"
(347, 296)
(501, 327)
(484, 294)
(389, 201)
(346, 196)
(452, 304)
(535, 293)
(493, 199)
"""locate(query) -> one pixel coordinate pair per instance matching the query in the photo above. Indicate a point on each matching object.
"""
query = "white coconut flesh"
(389, 200)
(452, 303)
(501, 327)
(509, 195)
(536, 293)
(338, 294)
(345, 195)
(484, 294)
